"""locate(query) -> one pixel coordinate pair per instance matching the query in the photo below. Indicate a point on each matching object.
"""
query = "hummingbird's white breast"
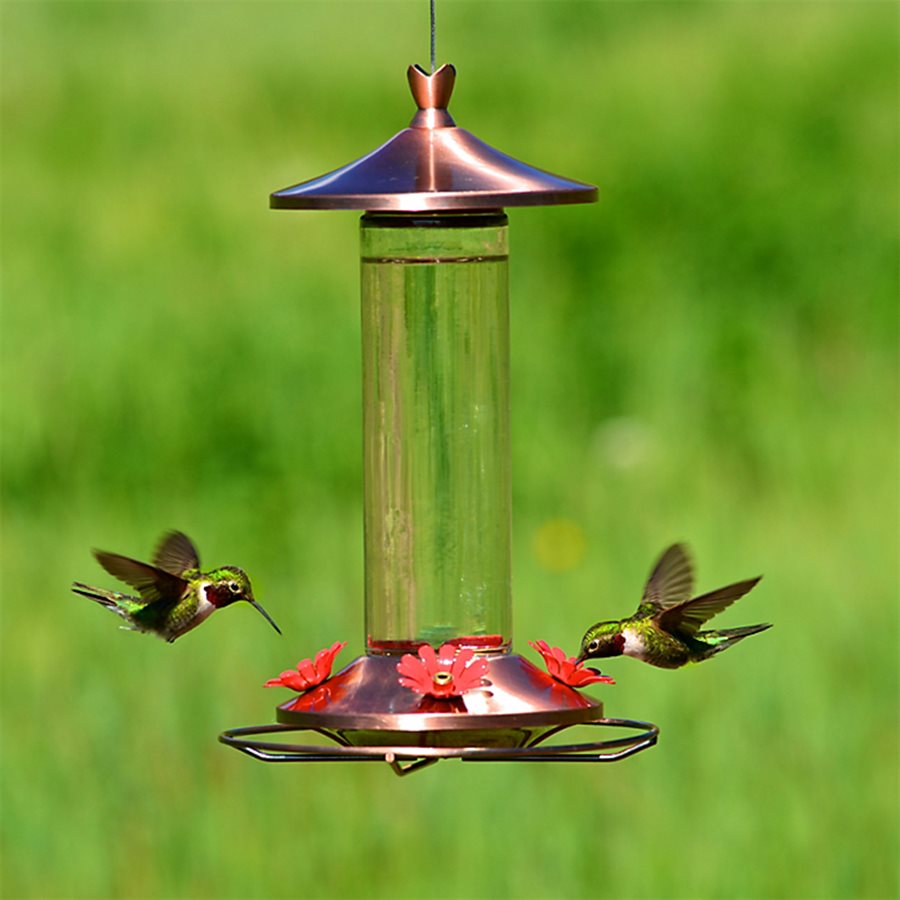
(204, 607)
(634, 644)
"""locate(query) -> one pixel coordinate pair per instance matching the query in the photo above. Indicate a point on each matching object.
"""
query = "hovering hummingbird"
(665, 630)
(175, 596)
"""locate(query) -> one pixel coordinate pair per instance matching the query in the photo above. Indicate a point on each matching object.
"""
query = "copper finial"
(432, 166)
(432, 96)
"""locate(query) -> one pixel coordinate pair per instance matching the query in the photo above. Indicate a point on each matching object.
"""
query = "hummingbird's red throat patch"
(219, 595)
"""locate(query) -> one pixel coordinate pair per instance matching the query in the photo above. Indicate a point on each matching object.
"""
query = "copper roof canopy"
(434, 165)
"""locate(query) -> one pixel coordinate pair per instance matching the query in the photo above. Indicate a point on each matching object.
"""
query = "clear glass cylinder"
(435, 336)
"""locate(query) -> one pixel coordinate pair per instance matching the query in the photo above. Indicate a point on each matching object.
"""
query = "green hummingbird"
(175, 596)
(665, 630)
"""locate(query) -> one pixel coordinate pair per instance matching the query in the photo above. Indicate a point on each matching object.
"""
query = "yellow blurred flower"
(559, 545)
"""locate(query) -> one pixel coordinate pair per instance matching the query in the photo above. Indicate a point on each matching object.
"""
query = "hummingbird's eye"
(234, 587)
(593, 645)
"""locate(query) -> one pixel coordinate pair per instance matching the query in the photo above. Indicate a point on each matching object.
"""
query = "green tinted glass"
(435, 331)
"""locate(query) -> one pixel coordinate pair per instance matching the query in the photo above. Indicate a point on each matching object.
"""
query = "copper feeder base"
(370, 716)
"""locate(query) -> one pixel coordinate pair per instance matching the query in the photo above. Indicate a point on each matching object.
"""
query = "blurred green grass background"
(709, 354)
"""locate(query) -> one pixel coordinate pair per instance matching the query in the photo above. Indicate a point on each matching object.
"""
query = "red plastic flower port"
(449, 672)
(308, 673)
(564, 668)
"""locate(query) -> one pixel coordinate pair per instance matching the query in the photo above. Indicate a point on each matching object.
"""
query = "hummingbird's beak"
(580, 658)
(268, 617)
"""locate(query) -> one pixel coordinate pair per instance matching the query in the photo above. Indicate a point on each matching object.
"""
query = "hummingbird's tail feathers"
(104, 598)
(121, 604)
(727, 637)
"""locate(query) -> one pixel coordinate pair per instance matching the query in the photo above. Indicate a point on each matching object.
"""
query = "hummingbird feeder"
(435, 343)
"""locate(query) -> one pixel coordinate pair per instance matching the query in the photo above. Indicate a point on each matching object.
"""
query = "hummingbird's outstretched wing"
(672, 580)
(153, 584)
(176, 553)
(688, 617)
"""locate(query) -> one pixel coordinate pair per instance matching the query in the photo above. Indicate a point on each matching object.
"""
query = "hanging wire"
(432, 38)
